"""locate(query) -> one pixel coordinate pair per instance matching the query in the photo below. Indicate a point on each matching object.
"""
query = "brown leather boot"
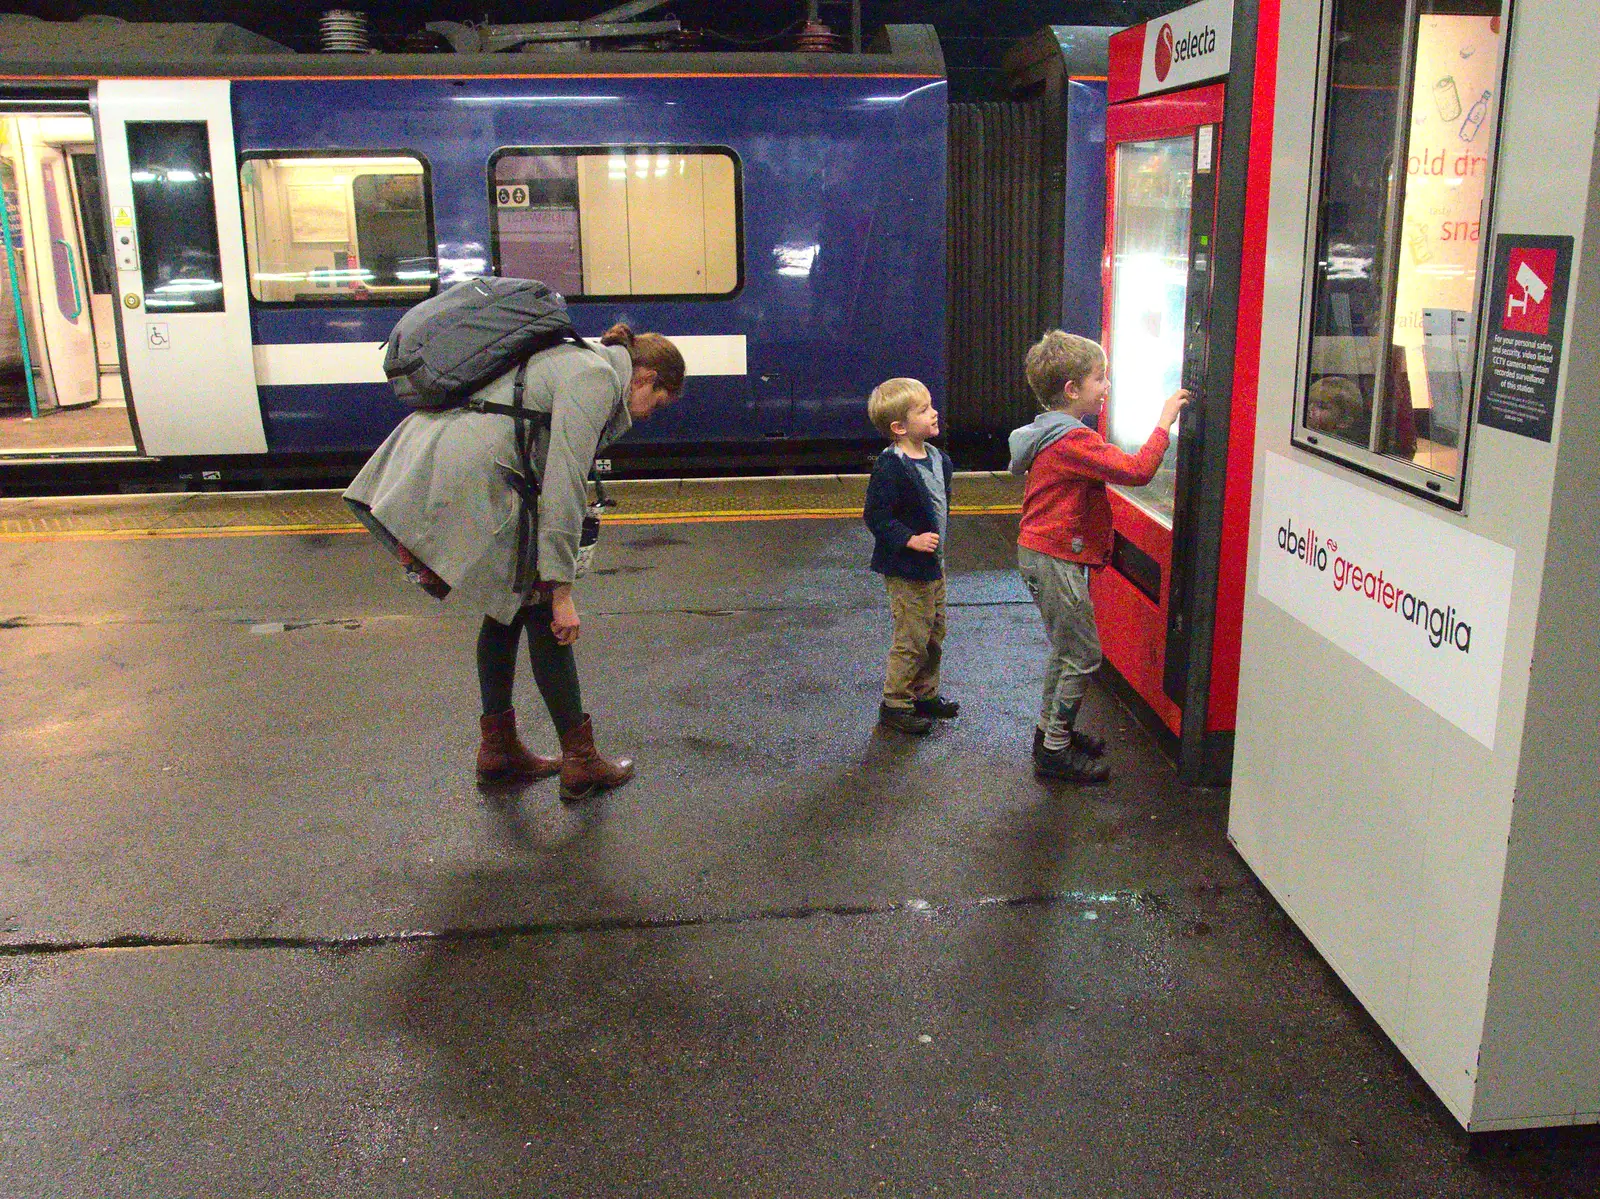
(502, 758)
(583, 770)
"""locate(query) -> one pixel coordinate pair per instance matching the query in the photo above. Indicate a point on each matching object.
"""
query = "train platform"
(260, 934)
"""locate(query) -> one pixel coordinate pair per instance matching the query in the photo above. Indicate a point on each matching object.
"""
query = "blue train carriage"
(269, 215)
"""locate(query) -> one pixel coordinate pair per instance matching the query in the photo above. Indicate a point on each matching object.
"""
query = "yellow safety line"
(662, 518)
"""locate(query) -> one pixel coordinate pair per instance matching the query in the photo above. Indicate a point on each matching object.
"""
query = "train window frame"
(629, 149)
(152, 220)
(332, 301)
(1401, 473)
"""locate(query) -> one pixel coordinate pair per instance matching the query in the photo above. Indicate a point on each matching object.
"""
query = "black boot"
(937, 707)
(905, 720)
(1070, 766)
(1086, 743)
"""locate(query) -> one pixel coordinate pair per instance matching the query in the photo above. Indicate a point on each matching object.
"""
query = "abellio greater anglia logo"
(1441, 624)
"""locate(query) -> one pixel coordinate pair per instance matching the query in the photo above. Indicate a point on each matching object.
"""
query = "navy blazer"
(898, 508)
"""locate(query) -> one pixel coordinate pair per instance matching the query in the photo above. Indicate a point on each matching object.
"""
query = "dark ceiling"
(974, 34)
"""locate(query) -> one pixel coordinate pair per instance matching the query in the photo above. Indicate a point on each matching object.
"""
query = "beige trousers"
(918, 610)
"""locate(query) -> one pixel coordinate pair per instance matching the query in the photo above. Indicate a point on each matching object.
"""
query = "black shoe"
(937, 706)
(1084, 743)
(1088, 743)
(1070, 766)
(905, 720)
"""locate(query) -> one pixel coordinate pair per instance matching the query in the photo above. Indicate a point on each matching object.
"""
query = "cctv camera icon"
(1532, 286)
(1534, 290)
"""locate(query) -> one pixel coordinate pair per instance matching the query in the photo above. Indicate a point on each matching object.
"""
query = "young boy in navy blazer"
(908, 507)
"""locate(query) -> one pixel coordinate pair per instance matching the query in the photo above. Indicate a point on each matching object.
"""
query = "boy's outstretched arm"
(1086, 453)
(1091, 454)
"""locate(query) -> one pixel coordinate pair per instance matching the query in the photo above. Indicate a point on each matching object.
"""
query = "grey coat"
(438, 483)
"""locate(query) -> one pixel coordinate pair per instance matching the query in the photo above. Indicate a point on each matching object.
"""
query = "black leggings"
(555, 669)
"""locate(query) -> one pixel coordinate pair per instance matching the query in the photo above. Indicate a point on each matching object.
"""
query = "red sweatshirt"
(1065, 511)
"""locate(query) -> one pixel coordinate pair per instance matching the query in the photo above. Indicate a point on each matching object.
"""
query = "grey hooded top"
(438, 482)
(1028, 442)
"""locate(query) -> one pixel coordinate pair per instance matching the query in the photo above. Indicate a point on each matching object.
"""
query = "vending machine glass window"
(1150, 280)
(1399, 254)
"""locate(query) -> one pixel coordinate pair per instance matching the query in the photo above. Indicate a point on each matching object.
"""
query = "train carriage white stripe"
(326, 363)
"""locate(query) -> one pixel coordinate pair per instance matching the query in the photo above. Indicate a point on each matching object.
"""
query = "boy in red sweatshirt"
(1066, 533)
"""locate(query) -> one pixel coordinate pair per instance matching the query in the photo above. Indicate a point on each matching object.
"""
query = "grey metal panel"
(996, 302)
(106, 49)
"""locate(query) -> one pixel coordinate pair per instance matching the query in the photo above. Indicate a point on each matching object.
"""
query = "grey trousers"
(1061, 590)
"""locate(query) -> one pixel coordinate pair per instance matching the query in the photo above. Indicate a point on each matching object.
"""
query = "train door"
(89, 205)
(1178, 121)
(51, 352)
(177, 241)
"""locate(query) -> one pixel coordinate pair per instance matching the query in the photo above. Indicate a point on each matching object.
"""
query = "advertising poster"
(1421, 602)
(1453, 119)
(1527, 323)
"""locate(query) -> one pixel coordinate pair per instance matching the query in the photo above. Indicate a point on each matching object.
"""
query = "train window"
(600, 222)
(1409, 123)
(338, 228)
(173, 203)
(92, 211)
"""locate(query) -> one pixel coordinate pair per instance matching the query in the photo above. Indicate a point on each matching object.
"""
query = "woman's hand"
(564, 623)
(1175, 404)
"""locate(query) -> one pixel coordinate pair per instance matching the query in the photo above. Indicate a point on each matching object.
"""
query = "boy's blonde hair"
(1058, 359)
(892, 400)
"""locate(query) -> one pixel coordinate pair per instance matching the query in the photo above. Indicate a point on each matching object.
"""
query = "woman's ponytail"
(652, 351)
(618, 335)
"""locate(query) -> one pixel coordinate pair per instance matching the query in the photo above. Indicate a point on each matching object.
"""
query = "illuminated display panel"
(1150, 276)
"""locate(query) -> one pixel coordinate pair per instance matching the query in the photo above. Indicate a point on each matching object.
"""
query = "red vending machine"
(1180, 186)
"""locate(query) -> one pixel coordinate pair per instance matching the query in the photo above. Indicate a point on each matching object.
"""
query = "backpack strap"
(526, 415)
(528, 509)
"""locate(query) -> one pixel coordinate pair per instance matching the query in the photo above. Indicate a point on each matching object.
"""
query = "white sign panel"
(1421, 602)
(1189, 46)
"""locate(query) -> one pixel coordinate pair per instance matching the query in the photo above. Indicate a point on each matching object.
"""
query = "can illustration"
(1446, 98)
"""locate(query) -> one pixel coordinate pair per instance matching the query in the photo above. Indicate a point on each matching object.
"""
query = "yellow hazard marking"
(620, 519)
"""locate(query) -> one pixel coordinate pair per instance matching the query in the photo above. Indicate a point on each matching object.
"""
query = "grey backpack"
(450, 345)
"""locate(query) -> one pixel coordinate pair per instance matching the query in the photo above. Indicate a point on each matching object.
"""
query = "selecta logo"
(1442, 625)
(1163, 53)
(1171, 50)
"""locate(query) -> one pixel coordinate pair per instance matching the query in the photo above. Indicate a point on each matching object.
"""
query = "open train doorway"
(61, 376)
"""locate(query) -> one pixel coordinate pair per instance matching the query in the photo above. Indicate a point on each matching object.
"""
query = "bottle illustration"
(1475, 118)
(1417, 240)
(1447, 99)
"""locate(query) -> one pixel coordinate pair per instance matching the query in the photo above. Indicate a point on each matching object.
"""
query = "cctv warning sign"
(1530, 280)
(1527, 319)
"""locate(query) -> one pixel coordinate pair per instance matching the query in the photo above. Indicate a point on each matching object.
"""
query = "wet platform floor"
(261, 935)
